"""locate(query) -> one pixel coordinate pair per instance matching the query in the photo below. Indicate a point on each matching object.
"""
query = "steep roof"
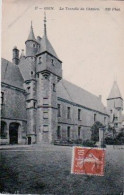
(31, 34)
(25, 67)
(10, 74)
(46, 47)
(115, 92)
(75, 94)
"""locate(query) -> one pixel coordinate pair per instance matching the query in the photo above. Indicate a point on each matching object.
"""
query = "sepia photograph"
(62, 90)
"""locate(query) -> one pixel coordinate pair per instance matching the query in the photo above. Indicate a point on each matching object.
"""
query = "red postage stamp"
(88, 161)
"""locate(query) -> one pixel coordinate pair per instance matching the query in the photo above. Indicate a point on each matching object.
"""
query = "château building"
(39, 106)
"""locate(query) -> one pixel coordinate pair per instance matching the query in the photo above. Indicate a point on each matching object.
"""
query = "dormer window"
(52, 62)
(32, 72)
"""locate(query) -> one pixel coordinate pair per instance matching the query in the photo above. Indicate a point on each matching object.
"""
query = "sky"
(90, 43)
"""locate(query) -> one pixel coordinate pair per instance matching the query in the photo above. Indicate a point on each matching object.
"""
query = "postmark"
(88, 161)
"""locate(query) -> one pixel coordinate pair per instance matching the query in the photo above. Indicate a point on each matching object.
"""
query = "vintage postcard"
(62, 90)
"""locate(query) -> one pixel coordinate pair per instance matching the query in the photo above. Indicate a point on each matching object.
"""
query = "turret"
(115, 100)
(15, 58)
(115, 106)
(31, 44)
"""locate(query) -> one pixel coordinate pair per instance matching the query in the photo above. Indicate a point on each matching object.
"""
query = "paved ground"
(46, 170)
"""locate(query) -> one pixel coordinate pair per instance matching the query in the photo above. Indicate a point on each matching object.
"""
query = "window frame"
(59, 110)
(79, 114)
(58, 133)
(68, 132)
(68, 112)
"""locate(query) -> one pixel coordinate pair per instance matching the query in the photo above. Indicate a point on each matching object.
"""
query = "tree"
(95, 131)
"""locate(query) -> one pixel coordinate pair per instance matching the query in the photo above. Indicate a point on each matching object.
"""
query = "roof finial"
(45, 32)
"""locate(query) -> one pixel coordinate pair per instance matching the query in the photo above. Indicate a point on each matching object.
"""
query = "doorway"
(29, 140)
(13, 133)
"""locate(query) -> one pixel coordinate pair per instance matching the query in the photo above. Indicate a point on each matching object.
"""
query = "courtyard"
(46, 169)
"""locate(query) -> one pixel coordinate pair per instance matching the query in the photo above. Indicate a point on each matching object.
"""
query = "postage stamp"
(88, 161)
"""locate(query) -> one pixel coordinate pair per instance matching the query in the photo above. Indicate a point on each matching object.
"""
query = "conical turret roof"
(46, 46)
(115, 92)
(45, 43)
(31, 34)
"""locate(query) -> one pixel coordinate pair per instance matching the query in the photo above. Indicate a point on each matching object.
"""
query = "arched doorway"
(13, 133)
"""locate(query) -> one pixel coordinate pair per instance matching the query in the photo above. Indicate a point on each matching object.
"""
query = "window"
(68, 112)
(3, 133)
(104, 120)
(58, 132)
(45, 101)
(52, 62)
(2, 97)
(59, 110)
(34, 104)
(68, 132)
(28, 88)
(79, 114)
(32, 72)
(94, 117)
(33, 45)
(40, 60)
(79, 132)
(54, 87)
(116, 124)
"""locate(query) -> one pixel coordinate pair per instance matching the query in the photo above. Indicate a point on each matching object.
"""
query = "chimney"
(15, 59)
(22, 54)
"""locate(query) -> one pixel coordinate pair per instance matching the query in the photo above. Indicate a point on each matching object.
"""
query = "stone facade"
(38, 106)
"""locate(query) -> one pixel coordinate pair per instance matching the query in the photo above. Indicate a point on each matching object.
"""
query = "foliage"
(95, 131)
(117, 140)
(89, 143)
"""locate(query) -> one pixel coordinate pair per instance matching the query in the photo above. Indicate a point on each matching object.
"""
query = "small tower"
(48, 74)
(115, 106)
(31, 44)
(15, 59)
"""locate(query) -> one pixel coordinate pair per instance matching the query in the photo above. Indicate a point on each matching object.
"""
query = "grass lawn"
(46, 170)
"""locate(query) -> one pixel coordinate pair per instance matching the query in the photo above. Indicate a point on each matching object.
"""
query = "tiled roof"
(25, 67)
(75, 94)
(46, 46)
(115, 92)
(10, 74)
